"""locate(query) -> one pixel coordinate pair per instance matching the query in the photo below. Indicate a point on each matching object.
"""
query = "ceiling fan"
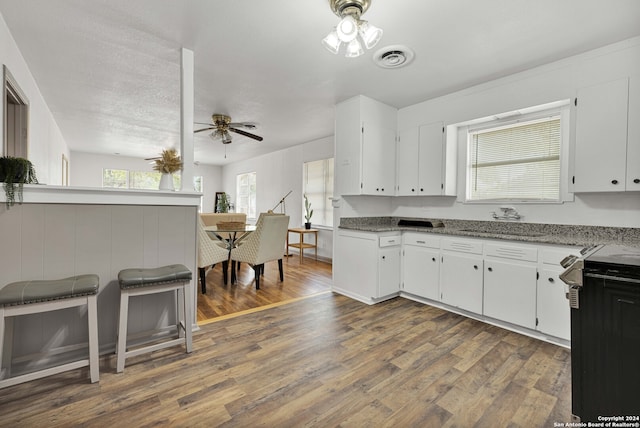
(221, 125)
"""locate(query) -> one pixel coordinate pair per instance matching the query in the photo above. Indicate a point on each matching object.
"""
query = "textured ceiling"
(110, 69)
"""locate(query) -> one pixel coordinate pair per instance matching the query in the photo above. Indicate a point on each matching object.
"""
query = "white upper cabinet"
(407, 162)
(421, 162)
(633, 135)
(607, 137)
(365, 137)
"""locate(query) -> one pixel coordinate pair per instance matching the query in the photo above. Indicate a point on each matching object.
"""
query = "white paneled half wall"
(52, 241)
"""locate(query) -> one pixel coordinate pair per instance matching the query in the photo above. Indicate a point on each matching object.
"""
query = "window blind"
(519, 161)
(318, 186)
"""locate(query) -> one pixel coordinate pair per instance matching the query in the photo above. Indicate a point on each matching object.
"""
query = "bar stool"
(138, 282)
(32, 297)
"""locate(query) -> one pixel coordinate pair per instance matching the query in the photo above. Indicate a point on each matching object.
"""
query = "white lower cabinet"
(510, 291)
(421, 265)
(355, 275)
(388, 270)
(554, 314)
(510, 282)
(461, 281)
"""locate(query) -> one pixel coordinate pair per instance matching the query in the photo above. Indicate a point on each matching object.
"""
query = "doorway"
(16, 118)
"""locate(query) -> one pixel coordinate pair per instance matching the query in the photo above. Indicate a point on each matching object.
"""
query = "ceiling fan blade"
(246, 134)
(248, 125)
(204, 129)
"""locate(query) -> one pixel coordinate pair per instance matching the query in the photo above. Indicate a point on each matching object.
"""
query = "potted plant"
(223, 203)
(308, 212)
(168, 163)
(14, 173)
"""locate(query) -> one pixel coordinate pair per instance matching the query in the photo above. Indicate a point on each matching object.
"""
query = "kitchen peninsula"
(63, 231)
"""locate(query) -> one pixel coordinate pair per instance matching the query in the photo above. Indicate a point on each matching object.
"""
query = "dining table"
(231, 236)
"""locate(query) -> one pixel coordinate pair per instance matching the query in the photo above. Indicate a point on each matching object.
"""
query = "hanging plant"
(168, 162)
(14, 173)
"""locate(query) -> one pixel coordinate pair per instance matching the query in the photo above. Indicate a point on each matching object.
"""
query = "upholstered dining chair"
(209, 253)
(260, 217)
(266, 244)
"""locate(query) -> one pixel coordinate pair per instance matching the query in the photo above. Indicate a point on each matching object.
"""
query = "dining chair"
(266, 244)
(260, 217)
(210, 253)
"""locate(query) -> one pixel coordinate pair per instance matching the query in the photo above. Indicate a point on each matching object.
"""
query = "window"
(246, 191)
(318, 186)
(515, 161)
(118, 178)
(125, 179)
(145, 180)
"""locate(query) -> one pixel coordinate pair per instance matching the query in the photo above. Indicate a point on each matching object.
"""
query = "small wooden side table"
(301, 245)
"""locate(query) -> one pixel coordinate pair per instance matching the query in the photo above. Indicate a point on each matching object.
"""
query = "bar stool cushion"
(26, 292)
(141, 277)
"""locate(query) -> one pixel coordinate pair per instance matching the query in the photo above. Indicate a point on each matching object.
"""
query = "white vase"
(166, 182)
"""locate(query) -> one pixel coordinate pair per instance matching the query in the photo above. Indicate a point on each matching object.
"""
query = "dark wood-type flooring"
(300, 280)
(323, 361)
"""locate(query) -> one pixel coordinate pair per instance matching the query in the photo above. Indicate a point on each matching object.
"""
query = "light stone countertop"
(557, 234)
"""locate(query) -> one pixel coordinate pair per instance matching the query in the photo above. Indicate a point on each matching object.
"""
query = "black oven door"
(605, 354)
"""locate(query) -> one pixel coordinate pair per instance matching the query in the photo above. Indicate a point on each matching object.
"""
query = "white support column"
(187, 105)
(186, 118)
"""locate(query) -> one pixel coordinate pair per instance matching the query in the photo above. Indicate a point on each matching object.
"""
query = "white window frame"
(322, 203)
(561, 108)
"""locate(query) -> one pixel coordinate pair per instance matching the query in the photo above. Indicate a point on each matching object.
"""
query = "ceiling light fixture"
(350, 27)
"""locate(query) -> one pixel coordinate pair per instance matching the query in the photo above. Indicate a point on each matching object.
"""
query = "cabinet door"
(601, 137)
(407, 163)
(553, 312)
(378, 159)
(348, 134)
(633, 136)
(388, 271)
(510, 292)
(421, 271)
(355, 269)
(431, 159)
(461, 281)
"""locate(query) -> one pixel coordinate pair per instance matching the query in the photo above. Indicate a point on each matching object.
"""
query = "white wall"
(86, 171)
(276, 174)
(46, 144)
(553, 82)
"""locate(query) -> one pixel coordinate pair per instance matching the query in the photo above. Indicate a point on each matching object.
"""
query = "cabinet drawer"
(463, 245)
(421, 240)
(389, 241)
(512, 252)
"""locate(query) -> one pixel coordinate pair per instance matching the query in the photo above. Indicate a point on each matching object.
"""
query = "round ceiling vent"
(393, 56)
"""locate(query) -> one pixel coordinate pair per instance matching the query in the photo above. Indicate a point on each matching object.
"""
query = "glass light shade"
(354, 49)
(370, 34)
(332, 42)
(347, 29)
(226, 137)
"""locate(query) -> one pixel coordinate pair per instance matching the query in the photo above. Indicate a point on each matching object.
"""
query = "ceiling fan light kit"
(350, 27)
